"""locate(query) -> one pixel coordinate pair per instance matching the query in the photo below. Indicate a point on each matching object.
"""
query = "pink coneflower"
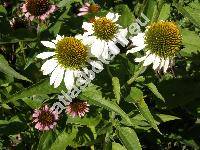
(88, 8)
(40, 9)
(77, 108)
(45, 118)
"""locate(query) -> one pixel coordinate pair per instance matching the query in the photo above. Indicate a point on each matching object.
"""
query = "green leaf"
(129, 138)
(165, 12)
(2, 10)
(94, 96)
(191, 43)
(149, 9)
(42, 87)
(191, 12)
(5, 68)
(46, 140)
(154, 89)
(116, 88)
(136, 97)
(165, 118)
(63, 140)
(127, 17)
(85, 121)
(117, 146)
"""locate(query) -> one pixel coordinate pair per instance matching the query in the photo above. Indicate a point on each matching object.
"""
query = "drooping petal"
(166, 65)
(156, 63)
(162, 63)
(150, 59)
(105, 54)
(45, 55)
(115, 50)
(59, 78)
(48, 44)
(55, 73)
(69, 79)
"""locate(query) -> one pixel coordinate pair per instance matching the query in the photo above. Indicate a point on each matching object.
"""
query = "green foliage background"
(131, 108)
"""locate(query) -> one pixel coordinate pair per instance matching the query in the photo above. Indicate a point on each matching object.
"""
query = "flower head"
(88, 8)
(40, 9)
(45, 118)
(162, 41)
(69, 59)
(77, 107)
(103, 34)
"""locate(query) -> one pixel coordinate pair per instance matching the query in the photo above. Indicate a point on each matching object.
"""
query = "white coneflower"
(40, 9)
(69, 59)
(162, 41)
(103, 34)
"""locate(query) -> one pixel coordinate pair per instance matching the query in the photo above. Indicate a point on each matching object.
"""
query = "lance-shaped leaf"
(42, 87)
(94, 96)
(116, 88)
(136, 97)
(129, 138)
(5, 68)
(154, 89)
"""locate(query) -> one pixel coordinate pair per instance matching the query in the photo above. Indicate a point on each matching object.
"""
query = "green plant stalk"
(136, 75)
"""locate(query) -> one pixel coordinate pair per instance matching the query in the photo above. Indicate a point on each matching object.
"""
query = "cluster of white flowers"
(73, 55)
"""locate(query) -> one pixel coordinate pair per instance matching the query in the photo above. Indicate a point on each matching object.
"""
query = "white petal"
(105, 54)
(110, 16)
(116, 17)
(49, 66)
(149, 60)
(54, 75)
(156, 62)
(69, 79)
(162, 63)
(134, 50)
(115, 50)
(48, 44)
(88, 27)
(97, 48)
(121, 36)
(58, 38)
(45, 55)
(140, 59)
(166, 65)
(87, 40)
(96, 65)
(59, 78)
(138, 40)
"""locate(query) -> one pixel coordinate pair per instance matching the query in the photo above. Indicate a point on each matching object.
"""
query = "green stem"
(136, 75)
(108, 71)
